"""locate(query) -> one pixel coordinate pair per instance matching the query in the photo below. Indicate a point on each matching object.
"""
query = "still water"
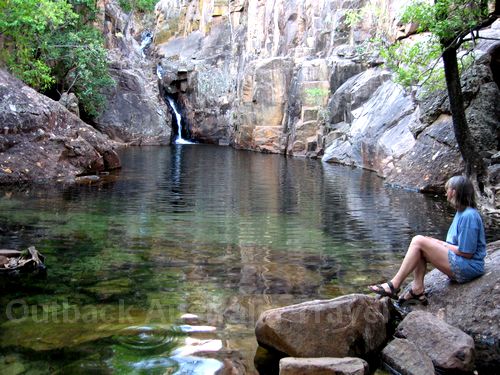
(174, 257)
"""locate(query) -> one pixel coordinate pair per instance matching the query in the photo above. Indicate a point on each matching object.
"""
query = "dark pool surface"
(181, 250)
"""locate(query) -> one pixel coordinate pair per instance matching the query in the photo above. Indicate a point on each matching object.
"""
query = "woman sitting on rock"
(461, 257)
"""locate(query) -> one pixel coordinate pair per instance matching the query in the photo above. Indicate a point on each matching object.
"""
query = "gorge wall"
(297, 77)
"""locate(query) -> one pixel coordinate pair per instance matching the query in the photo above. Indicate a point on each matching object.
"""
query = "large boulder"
(449, 348)
(471, 307)
(41, 140)
(352, 325)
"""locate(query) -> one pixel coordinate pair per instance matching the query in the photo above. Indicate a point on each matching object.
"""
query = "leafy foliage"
(50, 46)
(25, 25)
(447, 21)
(80, 66)
(415, 64)
(140, 5)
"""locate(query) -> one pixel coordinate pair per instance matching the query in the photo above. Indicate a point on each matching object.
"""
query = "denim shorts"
(464, 269)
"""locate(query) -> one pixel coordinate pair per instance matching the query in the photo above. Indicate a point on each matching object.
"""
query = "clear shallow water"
(192, 229)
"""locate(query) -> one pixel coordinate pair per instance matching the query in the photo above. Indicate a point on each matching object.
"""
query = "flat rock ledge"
(457, 333)
(323, 366)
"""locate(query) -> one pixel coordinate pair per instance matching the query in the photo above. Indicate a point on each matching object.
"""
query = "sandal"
(379, 289)
(414, 298)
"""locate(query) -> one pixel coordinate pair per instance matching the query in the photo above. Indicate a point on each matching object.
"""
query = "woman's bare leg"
(422, 249)
(418, 276)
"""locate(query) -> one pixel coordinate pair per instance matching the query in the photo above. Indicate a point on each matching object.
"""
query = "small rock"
(404, 357)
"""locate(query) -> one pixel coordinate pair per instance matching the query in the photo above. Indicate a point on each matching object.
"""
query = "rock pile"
(457, 333)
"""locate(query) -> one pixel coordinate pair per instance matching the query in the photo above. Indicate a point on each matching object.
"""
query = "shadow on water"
(180, 253)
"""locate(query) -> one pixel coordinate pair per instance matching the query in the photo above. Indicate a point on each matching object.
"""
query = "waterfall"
(146, 39)
(159, 71)
(178, 140)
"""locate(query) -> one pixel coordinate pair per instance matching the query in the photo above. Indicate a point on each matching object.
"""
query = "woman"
(461, 257)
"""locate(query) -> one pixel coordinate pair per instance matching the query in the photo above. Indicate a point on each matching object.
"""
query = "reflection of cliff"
(359, 207)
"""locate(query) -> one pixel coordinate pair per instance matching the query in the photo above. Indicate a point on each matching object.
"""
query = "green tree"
(24, 26)
(140, 5)
(51, 47)
(452, 23)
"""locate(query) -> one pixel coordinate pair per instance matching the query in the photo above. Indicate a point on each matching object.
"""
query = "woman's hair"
(464, 192)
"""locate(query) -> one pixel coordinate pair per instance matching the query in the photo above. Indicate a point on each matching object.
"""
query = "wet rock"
(353, 325)
(322, 366)
(43, 141)
(404, 357)
(449, 348)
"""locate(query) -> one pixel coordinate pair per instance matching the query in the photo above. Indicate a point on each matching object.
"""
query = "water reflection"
(192, 243)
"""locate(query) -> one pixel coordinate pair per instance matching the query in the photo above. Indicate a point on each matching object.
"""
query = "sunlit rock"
(43, 141)
(352, 325)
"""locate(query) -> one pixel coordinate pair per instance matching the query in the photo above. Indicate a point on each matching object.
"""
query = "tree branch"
(459, 39)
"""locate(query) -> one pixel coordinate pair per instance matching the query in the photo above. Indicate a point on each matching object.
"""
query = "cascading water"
(178, 140)
(146, 39)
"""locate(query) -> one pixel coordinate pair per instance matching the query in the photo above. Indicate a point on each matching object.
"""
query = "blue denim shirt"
(467, 232)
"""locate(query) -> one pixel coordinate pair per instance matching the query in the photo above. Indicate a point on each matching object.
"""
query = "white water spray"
(146, 39)
(178, 140)
(159, 71)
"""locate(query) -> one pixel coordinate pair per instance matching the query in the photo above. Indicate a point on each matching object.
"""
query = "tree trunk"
(473, 162)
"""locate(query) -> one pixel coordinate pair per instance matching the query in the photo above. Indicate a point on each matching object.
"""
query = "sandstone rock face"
(322, 366)
(405, 358)
(135, 112)
(226, 48)
(471, 307)
(42, 141)
(353, 325)
(449, 348)
(295, 77)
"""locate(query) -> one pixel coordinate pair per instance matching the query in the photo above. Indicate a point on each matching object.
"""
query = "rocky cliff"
(135, 112)
(297, 77)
